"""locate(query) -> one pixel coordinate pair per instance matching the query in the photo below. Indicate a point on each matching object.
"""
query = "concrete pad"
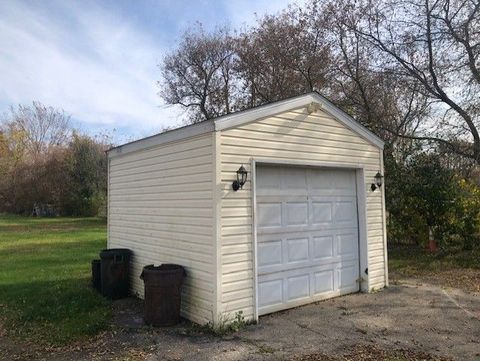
(423, 318)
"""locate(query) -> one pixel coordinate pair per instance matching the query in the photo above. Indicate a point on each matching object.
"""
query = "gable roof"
(300, 101)
(249, 115)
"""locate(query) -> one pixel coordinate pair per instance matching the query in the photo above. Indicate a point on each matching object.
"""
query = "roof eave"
(166, 137)
(246, 116)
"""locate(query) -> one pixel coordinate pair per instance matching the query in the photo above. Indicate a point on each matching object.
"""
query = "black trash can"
(96, 275)
(115, 272)
(163, 286)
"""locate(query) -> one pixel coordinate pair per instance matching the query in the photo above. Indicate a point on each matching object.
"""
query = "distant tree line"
(48, 168)
(408, 70)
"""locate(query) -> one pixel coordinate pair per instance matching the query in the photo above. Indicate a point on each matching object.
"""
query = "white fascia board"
(237, 119)
(162, 138)
(348, 121)
(262, 111)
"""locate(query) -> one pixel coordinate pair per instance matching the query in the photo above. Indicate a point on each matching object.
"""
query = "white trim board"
(254, 234)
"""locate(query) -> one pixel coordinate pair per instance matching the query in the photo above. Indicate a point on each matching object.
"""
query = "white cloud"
(100, 63)
(241, 14)
(96, 67)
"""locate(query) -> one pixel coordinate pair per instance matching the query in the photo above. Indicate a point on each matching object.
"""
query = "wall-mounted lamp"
(378, 181)
(241, 178)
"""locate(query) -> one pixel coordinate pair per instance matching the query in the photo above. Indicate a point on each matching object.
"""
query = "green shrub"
(423, 194)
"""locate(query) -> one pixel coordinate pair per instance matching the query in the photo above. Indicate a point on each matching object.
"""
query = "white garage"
(267, 209)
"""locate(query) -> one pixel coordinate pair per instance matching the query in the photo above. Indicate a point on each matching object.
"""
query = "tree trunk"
(432, 244)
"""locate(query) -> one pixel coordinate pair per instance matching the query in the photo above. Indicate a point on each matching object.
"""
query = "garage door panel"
(296, 213)
(286, 289)
(347, 245)
(291, 230)
(269, 215)
(344, 180)
(270, 253)
(322, 247)
(301, 265)
(307, 236)
(294, 178)
(268, 179)
(298, 287)
(323, 281)
(345, 212)
(347, 277)
(322, 212)
(270, 292)
(297, 250)
(320, 181)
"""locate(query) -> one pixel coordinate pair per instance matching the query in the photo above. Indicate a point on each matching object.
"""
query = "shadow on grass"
(53, 312)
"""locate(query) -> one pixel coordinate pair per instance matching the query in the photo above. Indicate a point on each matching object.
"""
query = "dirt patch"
(466, 279)
(371, 353)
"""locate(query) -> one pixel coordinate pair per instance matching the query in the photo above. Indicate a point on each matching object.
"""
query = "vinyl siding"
(290, 136)
(161, 207)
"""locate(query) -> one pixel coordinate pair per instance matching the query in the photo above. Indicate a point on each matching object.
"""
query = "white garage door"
(307, 235)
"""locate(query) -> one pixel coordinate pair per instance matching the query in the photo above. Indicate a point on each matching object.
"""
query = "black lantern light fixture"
(241, 178)
(378, 181)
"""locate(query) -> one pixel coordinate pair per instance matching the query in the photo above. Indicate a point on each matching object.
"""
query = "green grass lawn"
(45, 292)
(413, 260)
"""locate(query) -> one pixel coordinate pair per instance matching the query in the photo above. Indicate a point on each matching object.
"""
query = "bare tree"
(314, 47)
(436, 45)
(199, 76)
(284, 55)
(389, 105)
(36, 128)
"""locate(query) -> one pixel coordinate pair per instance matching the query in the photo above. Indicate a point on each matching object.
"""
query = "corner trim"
(384, 221)
(254, 231)
(217, 227)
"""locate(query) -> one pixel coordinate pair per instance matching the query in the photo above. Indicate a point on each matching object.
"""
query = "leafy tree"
(47, 170)
(86, 165)
(421, 197)
(466, 221)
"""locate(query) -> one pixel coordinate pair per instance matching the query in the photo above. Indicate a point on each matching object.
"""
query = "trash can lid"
(112, 252)
(163, 269)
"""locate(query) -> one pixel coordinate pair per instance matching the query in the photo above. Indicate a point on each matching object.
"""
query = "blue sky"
(99, 60)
